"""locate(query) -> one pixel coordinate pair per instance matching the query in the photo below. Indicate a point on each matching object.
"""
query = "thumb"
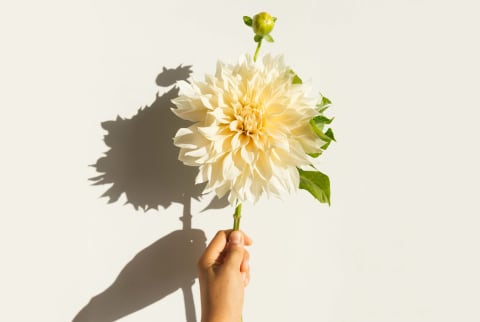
(234, 251)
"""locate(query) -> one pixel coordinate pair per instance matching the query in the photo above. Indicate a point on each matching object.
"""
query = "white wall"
(400, 242)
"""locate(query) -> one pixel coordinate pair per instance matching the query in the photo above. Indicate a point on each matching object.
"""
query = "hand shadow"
(160, 269)
(142, 164)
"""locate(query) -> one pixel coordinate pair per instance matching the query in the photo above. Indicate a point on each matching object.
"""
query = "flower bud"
(263, 23)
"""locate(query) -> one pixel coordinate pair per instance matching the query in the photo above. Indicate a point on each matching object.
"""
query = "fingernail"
(235, 237)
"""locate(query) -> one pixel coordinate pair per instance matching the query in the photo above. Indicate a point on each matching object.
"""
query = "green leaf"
(318, 123)
(329, 133)
(248, 21)
(325, 101)
(322, 109)
(327, 137)
(317, 127)
(317, 183)
(322, 119)
(268, 38)
(315, 155)
(324, 104)
(325, 146)
(296, 79)
(257, 38)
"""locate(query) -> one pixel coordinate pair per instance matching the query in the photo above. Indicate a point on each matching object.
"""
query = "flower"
(251, 129)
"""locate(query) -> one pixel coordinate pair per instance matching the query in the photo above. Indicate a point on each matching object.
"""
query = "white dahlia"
(251, 129)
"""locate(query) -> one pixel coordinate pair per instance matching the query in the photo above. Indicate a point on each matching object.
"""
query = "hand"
(224, 272)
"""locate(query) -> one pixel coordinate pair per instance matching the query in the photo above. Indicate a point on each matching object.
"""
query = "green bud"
(263, 23)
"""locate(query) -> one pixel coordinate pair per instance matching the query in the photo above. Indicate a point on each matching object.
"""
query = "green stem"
(259, 44)
(236, 225)
(237, 216)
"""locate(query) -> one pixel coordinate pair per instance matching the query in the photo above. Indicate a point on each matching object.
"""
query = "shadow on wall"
(160, 269)
(142, 164)
(142, 161)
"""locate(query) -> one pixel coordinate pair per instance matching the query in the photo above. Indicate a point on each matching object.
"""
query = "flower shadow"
(142, 161)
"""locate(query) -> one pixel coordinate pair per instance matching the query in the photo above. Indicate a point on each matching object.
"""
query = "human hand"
(224, 272)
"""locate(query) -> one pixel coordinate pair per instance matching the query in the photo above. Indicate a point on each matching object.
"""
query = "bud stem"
(259, 44)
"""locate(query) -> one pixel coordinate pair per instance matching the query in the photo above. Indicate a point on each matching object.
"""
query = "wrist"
(220, 318)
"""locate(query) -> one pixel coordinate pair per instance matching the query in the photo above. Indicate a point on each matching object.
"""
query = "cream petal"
(229, 169)
(218, 145)
(222, 190)
(311, 145)
(205, 99)
(263, 166)
(187, 160)
(233, 198)
(292, 179)
(209, 132)
(199, 155)
(247, 154)
(217, 171)
(233, 126)
(203, 174)
(280, 141)
(236, 141)
(257, 187)
(220, 115)
(189, 114)
(183, 139)
(188, 138)
(272, 188)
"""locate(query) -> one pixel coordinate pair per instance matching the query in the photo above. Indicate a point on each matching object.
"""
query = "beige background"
(400, 242)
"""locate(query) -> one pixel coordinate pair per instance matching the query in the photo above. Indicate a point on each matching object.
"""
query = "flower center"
(250, 119)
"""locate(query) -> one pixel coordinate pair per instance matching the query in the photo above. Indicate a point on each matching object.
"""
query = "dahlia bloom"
(251, 129)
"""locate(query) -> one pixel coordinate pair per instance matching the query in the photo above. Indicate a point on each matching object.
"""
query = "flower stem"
(259, 44)
(236, 223)
(237, 216)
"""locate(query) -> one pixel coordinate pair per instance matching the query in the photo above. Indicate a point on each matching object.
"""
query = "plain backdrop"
(400, 242)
